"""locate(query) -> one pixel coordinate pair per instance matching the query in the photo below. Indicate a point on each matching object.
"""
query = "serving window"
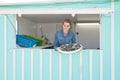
(38, 30)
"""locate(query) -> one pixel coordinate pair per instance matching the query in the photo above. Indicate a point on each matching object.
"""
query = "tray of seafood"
(69, 48)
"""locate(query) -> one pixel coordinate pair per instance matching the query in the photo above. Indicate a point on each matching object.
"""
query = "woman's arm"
(73, 38)
(56, 43)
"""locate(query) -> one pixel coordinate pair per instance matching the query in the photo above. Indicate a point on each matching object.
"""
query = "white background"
(9, 2)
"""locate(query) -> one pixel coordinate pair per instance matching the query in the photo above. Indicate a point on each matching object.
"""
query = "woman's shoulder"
(58, 32)
(71, 32)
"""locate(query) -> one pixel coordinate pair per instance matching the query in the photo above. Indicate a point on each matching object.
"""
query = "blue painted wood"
(10, 44)
(36, 64)
(65, 67)
(90, 4)
(117, 40)
(85, 65)
(55, 65)
(65, 58)
(96, 65)
(76, 66)
(27, 64)
(18, 64)
(45, 65)
(9, 66)
(10, 32)
(2, 48)
(106, 39)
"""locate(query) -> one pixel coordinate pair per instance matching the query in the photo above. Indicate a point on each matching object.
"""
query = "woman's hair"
(68, 21)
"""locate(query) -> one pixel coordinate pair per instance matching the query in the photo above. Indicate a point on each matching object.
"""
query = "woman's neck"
(65, 33)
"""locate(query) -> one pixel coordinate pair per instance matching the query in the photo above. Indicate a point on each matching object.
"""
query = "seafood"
(70, 47)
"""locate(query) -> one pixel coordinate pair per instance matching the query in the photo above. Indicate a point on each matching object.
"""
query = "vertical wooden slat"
(2, 47)
(80, 65)
(55, 65)
(14, 64)
(112, 42)
(5, 48)
(50, 64)
(40, 64)
(101, 65)
(22, 64)
(70, 66)
(90, 64)
(60, 66)
(32, 64)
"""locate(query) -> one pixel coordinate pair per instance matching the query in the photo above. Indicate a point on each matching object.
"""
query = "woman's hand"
(56, 49)
(81, 49)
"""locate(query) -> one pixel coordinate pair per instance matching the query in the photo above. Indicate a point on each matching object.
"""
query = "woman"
(64, 36)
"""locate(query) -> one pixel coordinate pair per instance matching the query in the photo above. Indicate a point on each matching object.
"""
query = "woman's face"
(66, 26)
